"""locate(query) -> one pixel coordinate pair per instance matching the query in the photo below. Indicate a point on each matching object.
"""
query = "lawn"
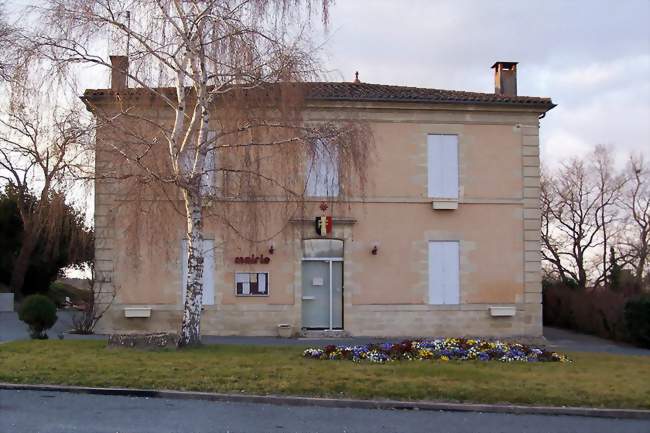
(597, 380)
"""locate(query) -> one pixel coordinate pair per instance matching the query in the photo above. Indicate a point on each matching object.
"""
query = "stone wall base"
(445, 323)
(366, 321)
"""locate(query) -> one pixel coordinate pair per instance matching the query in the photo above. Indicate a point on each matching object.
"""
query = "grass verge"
(593, 379)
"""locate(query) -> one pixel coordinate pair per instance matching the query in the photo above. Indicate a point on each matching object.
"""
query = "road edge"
(334, 402)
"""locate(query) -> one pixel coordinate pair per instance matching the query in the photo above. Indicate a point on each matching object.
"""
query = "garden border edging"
(333, 402)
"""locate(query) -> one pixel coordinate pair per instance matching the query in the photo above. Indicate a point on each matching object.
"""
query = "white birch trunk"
(190, 332)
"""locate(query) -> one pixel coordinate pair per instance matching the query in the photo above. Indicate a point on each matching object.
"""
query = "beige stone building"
(444, 242)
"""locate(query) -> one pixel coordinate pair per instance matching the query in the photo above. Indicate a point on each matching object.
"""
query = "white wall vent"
(502, 311)
(133, 312)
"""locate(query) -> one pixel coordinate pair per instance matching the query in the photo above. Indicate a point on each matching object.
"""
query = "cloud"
(592, 58)
(598, 103)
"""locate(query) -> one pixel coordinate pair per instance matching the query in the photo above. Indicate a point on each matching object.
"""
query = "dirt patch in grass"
(592, 379)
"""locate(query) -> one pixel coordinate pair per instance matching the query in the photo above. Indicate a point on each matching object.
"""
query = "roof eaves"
(547, 104)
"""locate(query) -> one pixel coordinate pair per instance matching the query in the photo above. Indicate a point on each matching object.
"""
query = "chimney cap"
(505, 65)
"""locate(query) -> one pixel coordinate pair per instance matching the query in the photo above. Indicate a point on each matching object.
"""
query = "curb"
(340, 403)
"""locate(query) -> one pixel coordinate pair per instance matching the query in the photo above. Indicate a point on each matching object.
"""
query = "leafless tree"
(609, 187)
(636, 206)
(575, 203)
(232, 75)
(7, 40)
(41, 150)
(100, 299)
(591, 212)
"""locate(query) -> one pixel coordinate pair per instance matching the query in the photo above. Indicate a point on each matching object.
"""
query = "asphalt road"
(53, 412)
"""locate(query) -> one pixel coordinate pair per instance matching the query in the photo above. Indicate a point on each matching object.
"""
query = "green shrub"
(39, 313)
(637, 319)
(57, 293)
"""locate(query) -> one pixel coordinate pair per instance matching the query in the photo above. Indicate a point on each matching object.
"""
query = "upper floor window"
(209, 184)
(442, 163)
(323, 171)
(209, 178)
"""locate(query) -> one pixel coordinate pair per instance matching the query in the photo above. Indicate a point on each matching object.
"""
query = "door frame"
(329, 261)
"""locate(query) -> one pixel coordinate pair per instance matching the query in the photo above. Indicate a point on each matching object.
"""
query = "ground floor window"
(444, 272)
(252, 283)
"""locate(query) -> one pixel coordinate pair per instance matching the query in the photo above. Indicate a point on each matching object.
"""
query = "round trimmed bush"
(637, 319)
(39, 313)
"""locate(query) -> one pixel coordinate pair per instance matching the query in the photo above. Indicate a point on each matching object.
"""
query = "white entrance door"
(322, 294)
(322, 284)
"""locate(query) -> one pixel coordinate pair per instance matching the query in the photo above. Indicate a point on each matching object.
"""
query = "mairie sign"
(323, 225)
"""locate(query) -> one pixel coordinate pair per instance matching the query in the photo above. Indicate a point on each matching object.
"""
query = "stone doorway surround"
(342, 229)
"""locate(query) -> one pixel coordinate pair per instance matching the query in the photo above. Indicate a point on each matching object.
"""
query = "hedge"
(599, 311)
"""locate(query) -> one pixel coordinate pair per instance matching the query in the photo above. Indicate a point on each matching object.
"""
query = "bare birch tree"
(231, 74)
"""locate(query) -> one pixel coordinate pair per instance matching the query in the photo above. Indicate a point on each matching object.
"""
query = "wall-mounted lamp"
(271, 250)
(374, 250)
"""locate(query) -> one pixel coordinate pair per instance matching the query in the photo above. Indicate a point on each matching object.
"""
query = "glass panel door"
(315, 294)
(337, 295)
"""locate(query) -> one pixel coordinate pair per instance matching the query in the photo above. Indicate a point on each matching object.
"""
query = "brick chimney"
(119, 70)
(505, 78)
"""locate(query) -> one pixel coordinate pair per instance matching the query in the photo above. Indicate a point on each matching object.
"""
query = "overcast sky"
(592, 57)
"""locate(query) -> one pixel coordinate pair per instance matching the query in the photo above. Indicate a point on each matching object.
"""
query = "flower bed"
(439, 349)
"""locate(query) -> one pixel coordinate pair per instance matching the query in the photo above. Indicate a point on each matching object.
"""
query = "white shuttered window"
(444, 284)
(208, 271)
(210, 181)
(323, 171)
(209, 178)
(442, 162)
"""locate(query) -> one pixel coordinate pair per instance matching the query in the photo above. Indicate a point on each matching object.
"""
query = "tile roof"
(381, 92)
(345, 91)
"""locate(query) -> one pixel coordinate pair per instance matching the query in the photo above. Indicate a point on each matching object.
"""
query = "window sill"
(444, 204)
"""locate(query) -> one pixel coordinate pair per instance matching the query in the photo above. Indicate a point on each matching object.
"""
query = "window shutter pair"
(442, 163)
(209, 176)
(323, 171)
(444, 272)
